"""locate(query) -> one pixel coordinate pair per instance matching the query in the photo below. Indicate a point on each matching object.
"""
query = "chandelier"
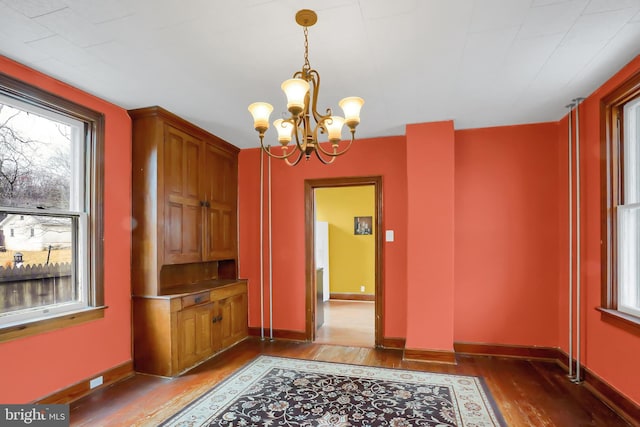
(302, 98)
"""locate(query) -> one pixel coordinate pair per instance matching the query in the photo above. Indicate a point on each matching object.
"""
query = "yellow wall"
(351, 257)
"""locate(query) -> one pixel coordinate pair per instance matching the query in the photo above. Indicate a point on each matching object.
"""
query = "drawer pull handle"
(198, 300)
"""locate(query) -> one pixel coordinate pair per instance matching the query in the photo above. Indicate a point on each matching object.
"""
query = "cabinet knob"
(215, 319)
(202, 203)
(207, 204)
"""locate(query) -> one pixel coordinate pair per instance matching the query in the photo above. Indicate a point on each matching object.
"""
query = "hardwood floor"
(349, 323)
(527, 393)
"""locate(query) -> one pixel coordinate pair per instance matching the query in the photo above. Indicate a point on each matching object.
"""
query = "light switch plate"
(389, 236)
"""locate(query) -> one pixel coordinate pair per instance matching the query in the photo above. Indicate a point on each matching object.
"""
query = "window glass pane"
(629, 259)
(40, 156)
(36, 264)
(632, 152)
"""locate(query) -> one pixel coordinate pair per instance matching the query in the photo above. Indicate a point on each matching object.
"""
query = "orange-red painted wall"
(509, 281)
(509, 245)
(609, 350)
(380, 156)
(36, 366)
(430, 243)
(506, 239)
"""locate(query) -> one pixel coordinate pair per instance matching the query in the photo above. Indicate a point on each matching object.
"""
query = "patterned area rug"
(275, 391)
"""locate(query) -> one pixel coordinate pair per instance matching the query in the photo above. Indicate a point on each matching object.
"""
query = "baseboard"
(393, 343)
(281, 334)
(515, 351)
(433, 356)
(617, 401)
(82, 388)
(352, 297)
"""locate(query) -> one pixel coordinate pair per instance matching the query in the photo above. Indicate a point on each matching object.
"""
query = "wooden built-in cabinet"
(172, 333)
(188, 302)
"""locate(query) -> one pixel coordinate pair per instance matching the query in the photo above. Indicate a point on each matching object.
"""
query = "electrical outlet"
(95, 382)
(362, 288)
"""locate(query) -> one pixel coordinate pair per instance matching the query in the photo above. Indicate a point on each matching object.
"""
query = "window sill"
(625, 321)
(11, 332)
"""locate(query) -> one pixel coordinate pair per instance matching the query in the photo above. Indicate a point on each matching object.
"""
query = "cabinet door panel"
(183, 208)
(240, 326)
(187, 339)
(221, 190)
(180, 241)
(234, 319)
(194, 335)
(226, 333)
(216, 333)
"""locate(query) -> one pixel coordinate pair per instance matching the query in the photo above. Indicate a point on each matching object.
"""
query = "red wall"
(609, 350)
(506, 239)
(380, 156)
(430, 244)
(36, 366)
(509, 247)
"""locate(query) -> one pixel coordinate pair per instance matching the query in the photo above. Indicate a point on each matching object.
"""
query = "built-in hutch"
(188, 303)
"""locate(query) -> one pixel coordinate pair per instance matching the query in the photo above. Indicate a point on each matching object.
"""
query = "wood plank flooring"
(350, 323)
(527, 393)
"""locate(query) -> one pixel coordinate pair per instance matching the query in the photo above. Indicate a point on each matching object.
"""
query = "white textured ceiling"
(478, 62)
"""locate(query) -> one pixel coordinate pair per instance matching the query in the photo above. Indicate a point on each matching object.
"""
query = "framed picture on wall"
(362, 225)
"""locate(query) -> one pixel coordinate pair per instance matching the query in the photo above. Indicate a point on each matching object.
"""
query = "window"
(621, 201)
(51, 201)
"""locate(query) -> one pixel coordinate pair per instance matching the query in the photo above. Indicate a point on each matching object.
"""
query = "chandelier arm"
(315, 83)
(296, 131)
(335, 148)
(325, 162)
(267, 149)
(296, 161)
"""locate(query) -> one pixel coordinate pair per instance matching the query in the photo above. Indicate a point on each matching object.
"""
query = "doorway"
(361, 225)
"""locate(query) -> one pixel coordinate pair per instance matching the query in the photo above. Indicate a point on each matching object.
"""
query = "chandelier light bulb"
(334, 128)
(285, 130)
(351, 107)
(296, 91)
(260, 112)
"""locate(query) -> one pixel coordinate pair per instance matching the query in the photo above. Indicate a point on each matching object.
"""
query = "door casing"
(309, 201)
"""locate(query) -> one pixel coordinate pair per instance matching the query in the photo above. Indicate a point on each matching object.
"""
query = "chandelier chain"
(306, 65)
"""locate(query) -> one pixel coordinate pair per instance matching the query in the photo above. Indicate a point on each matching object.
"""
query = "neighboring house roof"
(31, 220)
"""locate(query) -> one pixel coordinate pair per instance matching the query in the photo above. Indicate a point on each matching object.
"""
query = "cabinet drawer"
(227, 291)
(195, 299)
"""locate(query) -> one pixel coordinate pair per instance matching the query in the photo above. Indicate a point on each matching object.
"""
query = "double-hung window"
(621, 201)
(50, 207)
(629, 213)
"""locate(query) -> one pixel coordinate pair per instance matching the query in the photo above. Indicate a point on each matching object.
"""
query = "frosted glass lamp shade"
(296, 91)
(260, 112)
(334, 128)
(285, 130)
(351, 107)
